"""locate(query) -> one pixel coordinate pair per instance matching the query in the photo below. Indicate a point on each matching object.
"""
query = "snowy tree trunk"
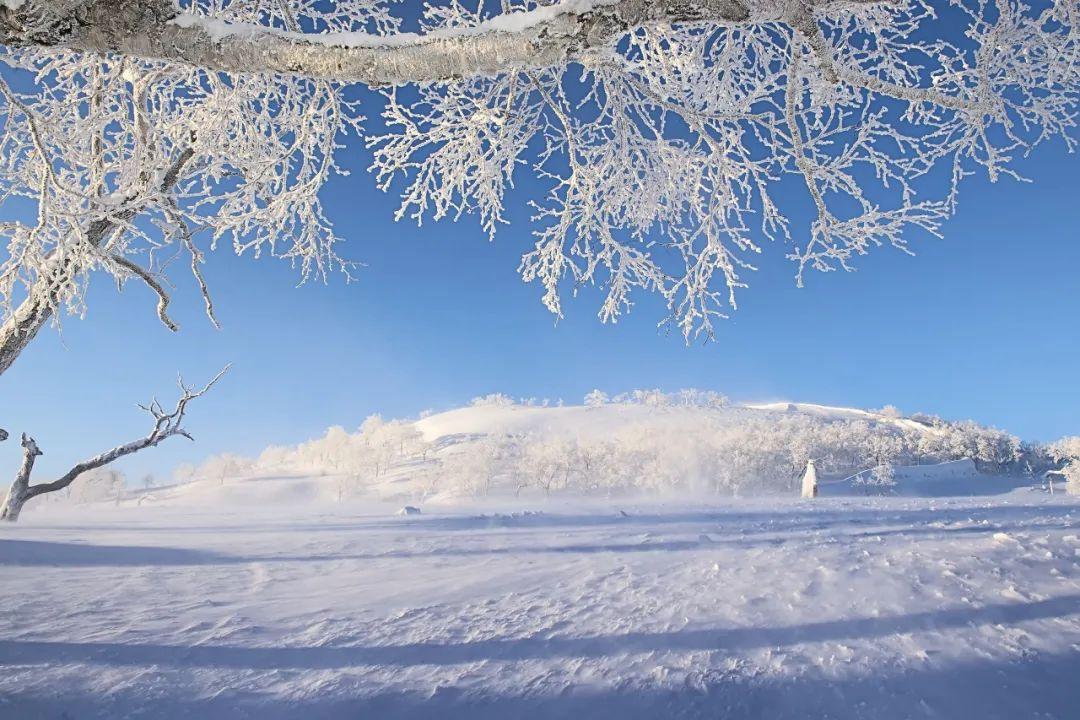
(20, 489)
(809, 481)
(23, 326)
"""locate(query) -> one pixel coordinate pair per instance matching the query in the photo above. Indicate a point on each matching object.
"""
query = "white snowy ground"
(771, 608)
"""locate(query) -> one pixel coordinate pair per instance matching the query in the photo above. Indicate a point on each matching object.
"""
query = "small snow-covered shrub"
(493, 400)
(890, 411)
(596, 398)
(1066, 452)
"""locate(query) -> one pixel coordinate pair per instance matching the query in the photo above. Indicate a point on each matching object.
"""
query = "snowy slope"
(571, 420)
(840, 413)
(585, 421)
(852, 609)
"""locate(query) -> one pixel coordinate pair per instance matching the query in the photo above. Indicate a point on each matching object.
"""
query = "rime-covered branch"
(660, 133)
(153, 284)
(543, 36)
(167, 423)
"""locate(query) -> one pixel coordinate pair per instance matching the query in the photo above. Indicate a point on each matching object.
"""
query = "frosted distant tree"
(989, 448)
(143, 132)
(1066, 452)
(596, 398)
(97, 485)
(547, 462)
(596, 464)
(275, 457)
(167, 424)
(473, 470)
(184, 473)
(879, 480)
(333, 448)
(494, 400)
(883, 448)
(221, 467)
(701, 399)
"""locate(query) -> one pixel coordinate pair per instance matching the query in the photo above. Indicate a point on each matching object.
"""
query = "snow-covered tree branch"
(536, 36)
(167, 423)
(662, 133)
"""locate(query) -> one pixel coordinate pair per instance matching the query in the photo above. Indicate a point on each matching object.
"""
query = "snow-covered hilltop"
(641, 443)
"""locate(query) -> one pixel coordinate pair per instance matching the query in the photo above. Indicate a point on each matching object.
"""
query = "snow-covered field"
(872, 608)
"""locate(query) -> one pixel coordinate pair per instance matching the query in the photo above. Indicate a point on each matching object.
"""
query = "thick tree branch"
(545, 37)
(809, 29)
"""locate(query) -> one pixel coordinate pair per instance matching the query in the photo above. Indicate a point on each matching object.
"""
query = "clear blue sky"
(982, 325)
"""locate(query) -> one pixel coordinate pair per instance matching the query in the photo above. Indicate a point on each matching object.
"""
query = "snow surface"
(875, 608)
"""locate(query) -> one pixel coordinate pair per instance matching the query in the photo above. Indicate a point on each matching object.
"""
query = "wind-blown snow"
(858, 608)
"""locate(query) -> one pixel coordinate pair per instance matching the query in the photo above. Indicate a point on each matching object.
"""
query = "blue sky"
(982, 325)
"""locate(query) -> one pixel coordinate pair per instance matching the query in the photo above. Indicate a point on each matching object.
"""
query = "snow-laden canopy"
(673, 141)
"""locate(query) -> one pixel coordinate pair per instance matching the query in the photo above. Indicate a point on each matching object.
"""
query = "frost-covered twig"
(146, 277)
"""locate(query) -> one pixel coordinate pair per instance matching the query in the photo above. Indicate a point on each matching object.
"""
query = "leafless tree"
(166, 424)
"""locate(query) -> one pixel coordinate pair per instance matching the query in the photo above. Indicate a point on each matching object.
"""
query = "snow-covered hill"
(598, 421)
(657, 446)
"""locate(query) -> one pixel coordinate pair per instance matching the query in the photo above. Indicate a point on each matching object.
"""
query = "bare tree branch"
(166, 425)
(188, 241)
(809, 29)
